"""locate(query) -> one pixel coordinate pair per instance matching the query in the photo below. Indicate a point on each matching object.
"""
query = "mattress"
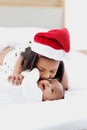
(69, 113)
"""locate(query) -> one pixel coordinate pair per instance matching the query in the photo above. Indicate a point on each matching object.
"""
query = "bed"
(69, 113)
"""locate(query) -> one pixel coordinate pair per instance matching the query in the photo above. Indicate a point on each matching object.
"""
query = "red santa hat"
(53, 44)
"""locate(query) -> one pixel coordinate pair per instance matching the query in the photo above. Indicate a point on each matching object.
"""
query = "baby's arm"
(31, 92)
(16, 78)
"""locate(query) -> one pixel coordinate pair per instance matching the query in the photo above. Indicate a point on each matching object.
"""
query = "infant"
(51, 89)
(34, 89)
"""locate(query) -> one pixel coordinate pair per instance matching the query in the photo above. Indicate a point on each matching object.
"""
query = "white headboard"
(30, 13)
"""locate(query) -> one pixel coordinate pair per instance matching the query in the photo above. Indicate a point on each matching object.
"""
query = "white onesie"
(30, 90)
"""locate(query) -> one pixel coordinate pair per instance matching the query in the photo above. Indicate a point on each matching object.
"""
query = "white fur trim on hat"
(48, 52)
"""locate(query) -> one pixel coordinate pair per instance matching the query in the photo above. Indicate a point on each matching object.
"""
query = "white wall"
(76, 21)
(31, 16)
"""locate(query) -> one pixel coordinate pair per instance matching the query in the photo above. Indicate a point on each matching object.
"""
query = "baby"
(51, 89)
(34, 89)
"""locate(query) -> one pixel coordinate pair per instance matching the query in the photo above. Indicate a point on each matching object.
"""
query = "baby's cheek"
(46, 95)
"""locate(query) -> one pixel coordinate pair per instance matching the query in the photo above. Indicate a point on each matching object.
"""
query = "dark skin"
(47, 67)
(51, 89)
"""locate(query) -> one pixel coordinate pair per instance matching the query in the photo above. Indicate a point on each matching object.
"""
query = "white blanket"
(69, 113)
(66, 114)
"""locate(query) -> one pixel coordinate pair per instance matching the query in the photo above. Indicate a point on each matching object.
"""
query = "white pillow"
(18, 35)
(76, 67)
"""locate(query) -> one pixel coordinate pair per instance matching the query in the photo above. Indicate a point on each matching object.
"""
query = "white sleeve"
(33, 75)
(31, 92)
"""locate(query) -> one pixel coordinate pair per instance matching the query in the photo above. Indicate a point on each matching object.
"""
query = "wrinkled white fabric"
(12, 56)
(30, 90)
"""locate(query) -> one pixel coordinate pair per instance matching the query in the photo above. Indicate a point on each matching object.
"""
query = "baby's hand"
(15, 79)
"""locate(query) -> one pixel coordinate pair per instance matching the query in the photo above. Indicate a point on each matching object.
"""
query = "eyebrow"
(44, 68)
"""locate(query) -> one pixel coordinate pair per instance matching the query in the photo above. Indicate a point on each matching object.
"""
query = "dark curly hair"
(30, 60)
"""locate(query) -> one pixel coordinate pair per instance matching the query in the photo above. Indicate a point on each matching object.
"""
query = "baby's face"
(52, 89)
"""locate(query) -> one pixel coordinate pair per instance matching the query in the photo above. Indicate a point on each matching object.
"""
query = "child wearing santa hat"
(47, 51)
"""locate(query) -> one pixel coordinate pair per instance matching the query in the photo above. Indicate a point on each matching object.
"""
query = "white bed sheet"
(66, 114)
(69, 113)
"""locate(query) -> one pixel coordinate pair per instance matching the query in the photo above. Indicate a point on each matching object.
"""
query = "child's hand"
(15, 79)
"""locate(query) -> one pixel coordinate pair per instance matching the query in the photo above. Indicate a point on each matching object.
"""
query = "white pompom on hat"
(53, 44)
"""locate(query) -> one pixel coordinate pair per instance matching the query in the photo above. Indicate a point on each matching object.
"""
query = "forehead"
(55, 83)
(45, 62)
